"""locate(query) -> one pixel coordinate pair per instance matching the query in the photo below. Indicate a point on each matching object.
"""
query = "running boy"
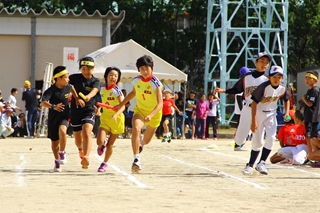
(264, 122)
(247, 84)
(147, 91)
(83, 109)
(292, 141)
(168, 103)
(110, 121)
(56, 99)
(311, 99)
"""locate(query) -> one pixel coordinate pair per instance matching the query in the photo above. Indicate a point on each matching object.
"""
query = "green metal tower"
(236, 32)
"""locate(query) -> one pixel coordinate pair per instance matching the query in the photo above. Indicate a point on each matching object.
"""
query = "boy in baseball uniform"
(247, 84)
(264, 122)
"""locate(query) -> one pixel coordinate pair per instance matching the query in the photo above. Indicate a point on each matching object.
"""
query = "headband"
(59, 74)
(87, 63)
(311, 76)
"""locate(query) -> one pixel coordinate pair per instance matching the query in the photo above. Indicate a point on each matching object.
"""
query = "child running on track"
(247, 84)
(292, 141)
(110, 121)
(147, 91)
(168, 103)
(56, 99)
(83, 109)
(264, 122)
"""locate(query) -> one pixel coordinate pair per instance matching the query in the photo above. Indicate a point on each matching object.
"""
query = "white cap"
(262, 54)
(274, 70)
(166, 90)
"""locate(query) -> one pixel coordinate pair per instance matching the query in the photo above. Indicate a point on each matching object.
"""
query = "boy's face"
(63, 80)
(86, 72)
(192, 95)
(275, 80)
(310, 82)
(262, 64)
(145, 71)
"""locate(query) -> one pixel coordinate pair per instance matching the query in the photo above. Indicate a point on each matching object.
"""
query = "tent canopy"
(124, 55)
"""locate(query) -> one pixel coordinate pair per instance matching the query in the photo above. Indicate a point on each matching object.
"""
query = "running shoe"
(62, 157)
(100, 150)
(164, 139)
(85, 162)
(136, 166)
(315, 164)
(103, 167)
(239, 148)
(57, 167)
(248, 170)
(261, 167)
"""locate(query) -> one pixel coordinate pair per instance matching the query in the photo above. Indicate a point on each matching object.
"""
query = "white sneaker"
(261, 167)
(62, 158)
(57, 167)
(248, 170)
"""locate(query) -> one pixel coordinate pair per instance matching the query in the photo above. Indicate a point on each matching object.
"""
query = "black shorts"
(77, 120)
(311, 129)
(166, 117)
(188, 121)
(53, 129)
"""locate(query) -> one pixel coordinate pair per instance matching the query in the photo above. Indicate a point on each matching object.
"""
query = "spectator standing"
(179, 119)
(29, 96)
(212, 115)
(201, 112)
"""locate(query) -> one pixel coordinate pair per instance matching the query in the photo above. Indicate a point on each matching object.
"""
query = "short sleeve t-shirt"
(167, 106)
(54, 95)
(81, 84)
(292, 134)
(311, 113)
(146, 96)
(30, 97)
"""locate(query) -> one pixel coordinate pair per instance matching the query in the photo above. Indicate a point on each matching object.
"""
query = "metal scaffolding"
(236, 32)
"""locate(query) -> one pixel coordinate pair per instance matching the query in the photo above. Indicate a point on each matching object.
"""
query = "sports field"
(183, 176)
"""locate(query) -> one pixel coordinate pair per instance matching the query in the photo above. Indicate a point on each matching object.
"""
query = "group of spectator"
(23, 124)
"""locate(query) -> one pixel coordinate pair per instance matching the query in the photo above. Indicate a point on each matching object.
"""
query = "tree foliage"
(154, 25)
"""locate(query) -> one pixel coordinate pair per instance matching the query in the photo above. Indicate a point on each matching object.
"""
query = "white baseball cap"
(262, 54)
(167, 90)
(274, 70)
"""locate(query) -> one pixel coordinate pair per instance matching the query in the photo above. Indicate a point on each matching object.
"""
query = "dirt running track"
(183, 176)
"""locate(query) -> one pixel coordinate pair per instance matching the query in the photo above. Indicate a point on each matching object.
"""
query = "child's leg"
(149, 133)
(165, 126)
(78, 139)
(55, 149)
(109, 150)
(208, 122)
(214, 124)
(87, 138)
(62, 137)
(203, 128)
(102, 135)
(137, 124)
(244, 126)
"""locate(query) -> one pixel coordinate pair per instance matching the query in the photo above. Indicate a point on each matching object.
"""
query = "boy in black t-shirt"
(311, 99)
(191, 104)
(56, 99)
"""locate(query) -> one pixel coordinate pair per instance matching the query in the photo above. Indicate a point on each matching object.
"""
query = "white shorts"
(297, 153)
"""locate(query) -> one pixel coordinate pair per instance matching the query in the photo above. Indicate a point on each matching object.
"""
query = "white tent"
(124, 55)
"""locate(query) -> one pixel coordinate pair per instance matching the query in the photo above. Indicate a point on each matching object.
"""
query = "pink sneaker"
(204, 138)
(103, 167)
(100, 150)
(215, 139)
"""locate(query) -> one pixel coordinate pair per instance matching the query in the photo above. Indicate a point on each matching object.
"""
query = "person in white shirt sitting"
(5, 123)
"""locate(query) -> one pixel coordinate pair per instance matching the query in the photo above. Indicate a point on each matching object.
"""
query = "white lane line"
(19, 168)
(128, 176)
(272, 165)
(219, 172)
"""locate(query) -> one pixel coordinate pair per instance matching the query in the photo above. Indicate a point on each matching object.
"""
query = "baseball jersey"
(267, 96)
(311, 113)
(109, 95)
(292, 134)
(146, 96)
(167, 106)
(247, 84)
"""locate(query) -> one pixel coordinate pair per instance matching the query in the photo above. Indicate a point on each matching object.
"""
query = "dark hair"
(298, 114)
(87, 58)
(144, 61)
(58, 69)
(13, 90)
(109, 69)
(180, 96)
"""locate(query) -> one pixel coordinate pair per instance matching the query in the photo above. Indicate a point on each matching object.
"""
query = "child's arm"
(216, 97)
(92, 93)
(120, 110)
(158, 106)
(76, 96)
(176, 108)
(304, 99)
(254, 125)
(287, 108)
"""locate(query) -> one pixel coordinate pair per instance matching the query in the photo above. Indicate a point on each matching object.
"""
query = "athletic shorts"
(155, 120)
(53, 129)
(166, 117)
(188, 121)
(77, 120)
(311, 129)
(110, 125)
